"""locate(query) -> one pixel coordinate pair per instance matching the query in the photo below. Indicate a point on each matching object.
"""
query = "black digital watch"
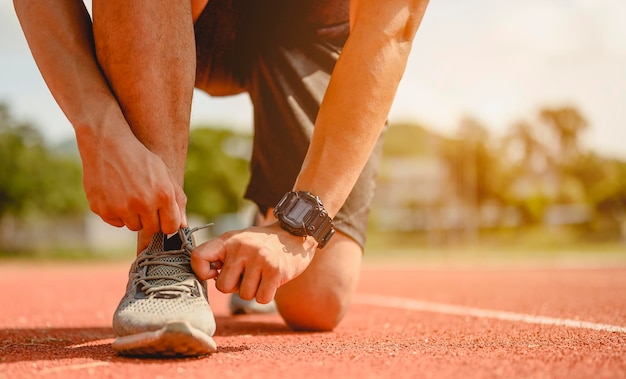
(302, 214)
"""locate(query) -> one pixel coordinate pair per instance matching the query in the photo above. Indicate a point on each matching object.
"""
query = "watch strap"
(315, 223)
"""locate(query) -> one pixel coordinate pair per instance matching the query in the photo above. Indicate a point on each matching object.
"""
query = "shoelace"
(173, 284)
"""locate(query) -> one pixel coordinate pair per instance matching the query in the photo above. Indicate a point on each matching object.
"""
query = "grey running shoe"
(165, 311)
(238, 306)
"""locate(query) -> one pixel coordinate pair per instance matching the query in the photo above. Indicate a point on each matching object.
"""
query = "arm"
(359, 96)
(350, 120)
(60, 36)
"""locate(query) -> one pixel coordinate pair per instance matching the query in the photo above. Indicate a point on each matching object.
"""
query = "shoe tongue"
(172, 242)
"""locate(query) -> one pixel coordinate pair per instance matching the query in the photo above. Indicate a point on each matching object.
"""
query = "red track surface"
(55, 323)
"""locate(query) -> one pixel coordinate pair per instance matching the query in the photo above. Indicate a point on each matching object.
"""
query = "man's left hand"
(255, 261)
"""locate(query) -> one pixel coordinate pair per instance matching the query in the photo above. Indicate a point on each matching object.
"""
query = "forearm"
(359, 96)
(59, 34)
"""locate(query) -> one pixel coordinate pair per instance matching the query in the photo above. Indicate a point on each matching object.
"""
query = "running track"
(407, 321)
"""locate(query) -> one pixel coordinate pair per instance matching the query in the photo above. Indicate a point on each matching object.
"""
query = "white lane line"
(91, 343)
(459, 310)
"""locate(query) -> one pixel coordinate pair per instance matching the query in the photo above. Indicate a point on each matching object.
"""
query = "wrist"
(106, 132)
(302, 214)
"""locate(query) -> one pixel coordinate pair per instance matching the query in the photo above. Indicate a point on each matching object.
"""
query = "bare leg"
(146, 50)
(319, 298)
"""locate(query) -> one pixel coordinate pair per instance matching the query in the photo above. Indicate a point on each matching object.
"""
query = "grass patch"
(530, 246)
(68, 255)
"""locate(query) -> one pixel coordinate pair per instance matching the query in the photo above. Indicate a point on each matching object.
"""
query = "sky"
(497, 62)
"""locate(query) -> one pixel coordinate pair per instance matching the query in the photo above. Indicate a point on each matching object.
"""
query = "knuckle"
(96, 206)
(264, 298)
(181, 198)
(136, 204)
(133, 227)
(229, 239)
(168, 228)
(117, 208)
(245, 294)
(162, 195)
(221, 287)
(150, 228)
(114, 222)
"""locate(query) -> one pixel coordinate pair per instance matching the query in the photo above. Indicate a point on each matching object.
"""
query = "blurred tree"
(410, 140)
(476, 174)
(525, 149)
(528, 160)
(475, 169)
(217, 171)
(32, 178)
(566, 124)
(604, 182)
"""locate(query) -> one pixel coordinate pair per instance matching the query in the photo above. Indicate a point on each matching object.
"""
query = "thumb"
(207, 258)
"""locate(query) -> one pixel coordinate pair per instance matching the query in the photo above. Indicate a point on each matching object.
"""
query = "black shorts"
(281, 52)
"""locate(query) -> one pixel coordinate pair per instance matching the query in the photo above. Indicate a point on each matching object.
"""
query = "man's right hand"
(128, 185)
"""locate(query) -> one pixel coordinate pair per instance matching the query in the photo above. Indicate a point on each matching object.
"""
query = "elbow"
(20, 5)
(408, 21)
(391, 21)
(408, 30)
(24, 9)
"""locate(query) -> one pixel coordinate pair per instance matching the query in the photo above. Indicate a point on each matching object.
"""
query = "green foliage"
(537, 165)
(32, 178)
(409, 140)
(477, 174)
(216, 172)
(604, 183)
(566, 124)
(533, 207)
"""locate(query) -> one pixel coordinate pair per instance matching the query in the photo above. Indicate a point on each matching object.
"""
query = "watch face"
(297, 214)
(302, 214)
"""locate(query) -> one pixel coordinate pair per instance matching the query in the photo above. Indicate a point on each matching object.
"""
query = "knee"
(319, 298)
(313, 312)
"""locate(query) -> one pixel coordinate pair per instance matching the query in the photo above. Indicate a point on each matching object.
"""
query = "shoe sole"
(175, 339)
(238, 306)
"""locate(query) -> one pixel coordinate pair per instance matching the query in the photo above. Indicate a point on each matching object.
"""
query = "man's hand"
(127, 185)
(254, 261)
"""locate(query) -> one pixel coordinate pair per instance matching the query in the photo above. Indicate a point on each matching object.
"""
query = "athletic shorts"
(281, 52)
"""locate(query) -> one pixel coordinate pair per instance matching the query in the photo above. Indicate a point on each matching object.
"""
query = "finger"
(113, 221)
(213, 251)
(132, 222)
(267, 289)
(169, 217)
(229, 278)
(150, 223)
(249, 284)
(181, 202)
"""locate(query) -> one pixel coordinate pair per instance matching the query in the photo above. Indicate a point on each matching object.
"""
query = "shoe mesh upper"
(162, 288)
